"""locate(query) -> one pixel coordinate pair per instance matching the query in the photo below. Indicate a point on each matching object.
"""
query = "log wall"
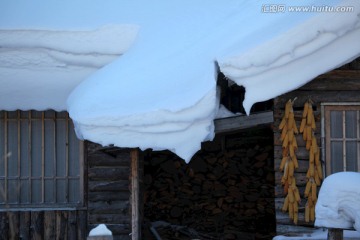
(43, 225)
(225, 192)
(108, 189)
(340, 85)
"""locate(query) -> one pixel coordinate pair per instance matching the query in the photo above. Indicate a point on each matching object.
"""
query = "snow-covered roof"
(161, 92)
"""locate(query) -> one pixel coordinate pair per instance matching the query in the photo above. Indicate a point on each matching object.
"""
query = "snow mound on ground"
(100, 230)
(338, 204)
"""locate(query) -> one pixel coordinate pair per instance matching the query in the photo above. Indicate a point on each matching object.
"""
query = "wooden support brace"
(335, 234)
(135, 194)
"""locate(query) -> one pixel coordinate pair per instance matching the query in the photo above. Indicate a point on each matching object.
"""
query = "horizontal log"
(109, 173)
(108, 196)
(109, 206)
(114, 218)
(99, 186)
(243, 122)
(106, 160)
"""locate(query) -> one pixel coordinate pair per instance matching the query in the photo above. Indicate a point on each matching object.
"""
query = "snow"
(161, 92)
(100, 230)
(338, 204)
(39, 68)
(319, 234)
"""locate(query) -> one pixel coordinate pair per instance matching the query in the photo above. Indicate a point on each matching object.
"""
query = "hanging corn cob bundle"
(289, 161)
(314, 173)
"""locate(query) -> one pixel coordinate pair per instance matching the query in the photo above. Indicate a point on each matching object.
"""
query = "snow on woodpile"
(338, 204)
(161, 93)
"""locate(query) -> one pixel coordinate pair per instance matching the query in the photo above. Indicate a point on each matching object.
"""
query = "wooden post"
(135, 194)
(335, 234)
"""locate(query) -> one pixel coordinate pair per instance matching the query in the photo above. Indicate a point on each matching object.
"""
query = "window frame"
(55, 205)
(325, 131)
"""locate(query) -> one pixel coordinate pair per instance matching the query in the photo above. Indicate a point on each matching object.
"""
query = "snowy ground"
(320, 234)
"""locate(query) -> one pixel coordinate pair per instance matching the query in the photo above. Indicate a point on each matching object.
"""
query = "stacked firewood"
(226, 191)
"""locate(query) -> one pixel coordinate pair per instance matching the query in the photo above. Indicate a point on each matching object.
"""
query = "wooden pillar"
(335, 234)
(135, 195)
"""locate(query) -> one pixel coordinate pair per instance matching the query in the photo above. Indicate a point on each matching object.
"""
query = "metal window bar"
(30, 117)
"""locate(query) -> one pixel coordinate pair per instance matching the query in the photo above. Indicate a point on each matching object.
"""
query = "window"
(342, 137)
(40, 160)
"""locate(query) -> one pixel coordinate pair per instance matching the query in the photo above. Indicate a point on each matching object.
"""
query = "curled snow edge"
(293, 59)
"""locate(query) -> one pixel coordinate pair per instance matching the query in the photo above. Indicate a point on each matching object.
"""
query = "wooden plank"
(82, 229)
(61, 225)
(13, 218)
(49, 225)
(37, 225)
(24, 227)
(243, 122)
(71, 225)
(135, 194)
(99, 186)
(4, 227)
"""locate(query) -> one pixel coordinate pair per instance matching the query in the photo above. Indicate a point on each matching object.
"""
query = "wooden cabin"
(53, 186)
(336, 103)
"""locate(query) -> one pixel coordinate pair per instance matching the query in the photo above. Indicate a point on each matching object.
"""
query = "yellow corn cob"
(314, 144)
(291, 210)
(291, 195)
(294, 142)
(309, 134)
(307, 189)
(282, 123)
(286, 141)
(296, 130)
(319, 171)
(282, 164)
(311, 156)
(311, 170)
(291, 168)
(309, 114)
(312, 214)
(313, 192)
(307, 213)
(297, 195)
(296, 163)
(290, 122)
(286, 204)
(308, 145)
(302, 125)
(317, 157)
(305, 133)
(313, 124)
(316, 178)
(291, 150)
(296, 217)
(291, 136)
(283, 134)
(287, 108)
(306, 107)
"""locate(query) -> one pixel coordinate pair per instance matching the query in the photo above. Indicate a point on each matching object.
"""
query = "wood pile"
(226, 191)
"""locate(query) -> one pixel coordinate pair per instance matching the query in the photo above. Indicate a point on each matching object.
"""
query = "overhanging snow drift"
(161, 93)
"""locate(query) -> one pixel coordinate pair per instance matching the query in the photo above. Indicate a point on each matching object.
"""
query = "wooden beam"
(243, 122)
(135, 194)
